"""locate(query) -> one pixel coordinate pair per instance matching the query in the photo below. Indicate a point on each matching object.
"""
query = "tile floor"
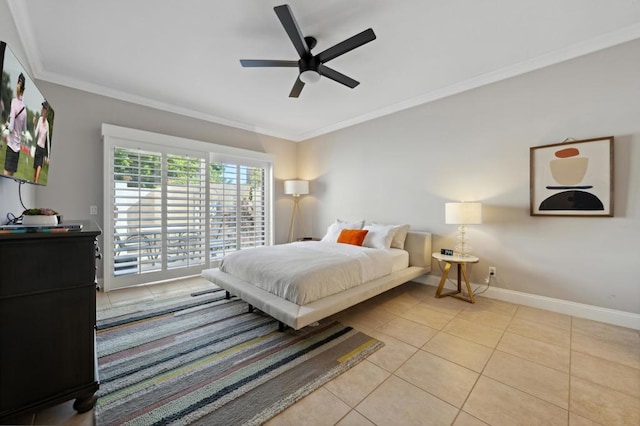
(452, 363)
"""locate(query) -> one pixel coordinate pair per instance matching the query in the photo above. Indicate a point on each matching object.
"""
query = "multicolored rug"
(207, 360)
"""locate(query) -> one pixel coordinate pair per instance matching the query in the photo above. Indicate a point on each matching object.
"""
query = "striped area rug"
(207, 360)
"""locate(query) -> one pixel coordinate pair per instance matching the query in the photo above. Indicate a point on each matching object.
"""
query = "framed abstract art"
(573, 178)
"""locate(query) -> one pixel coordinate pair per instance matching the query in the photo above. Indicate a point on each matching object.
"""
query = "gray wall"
(75, 179)
(9, 199)
(473, 146)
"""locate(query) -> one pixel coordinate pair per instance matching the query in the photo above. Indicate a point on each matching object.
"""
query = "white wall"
(475, 146)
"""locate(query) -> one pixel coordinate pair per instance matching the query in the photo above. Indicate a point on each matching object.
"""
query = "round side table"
(461, 262)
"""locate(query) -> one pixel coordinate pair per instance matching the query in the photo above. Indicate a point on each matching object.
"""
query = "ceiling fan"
(311, 66)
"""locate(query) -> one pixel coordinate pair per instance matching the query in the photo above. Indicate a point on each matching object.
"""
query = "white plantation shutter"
(172, 211)
(137, 214)
(186, 211)
(238, 215)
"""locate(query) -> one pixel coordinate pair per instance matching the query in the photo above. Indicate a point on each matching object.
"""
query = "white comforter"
(302, 272)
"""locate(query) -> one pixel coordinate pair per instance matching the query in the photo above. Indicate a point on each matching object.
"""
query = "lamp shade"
(463, 213)
(296, 187)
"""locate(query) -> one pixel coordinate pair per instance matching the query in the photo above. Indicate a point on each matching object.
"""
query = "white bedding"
(302, 272)
(399, 259)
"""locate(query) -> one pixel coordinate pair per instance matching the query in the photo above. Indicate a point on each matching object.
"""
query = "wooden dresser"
(47, 320)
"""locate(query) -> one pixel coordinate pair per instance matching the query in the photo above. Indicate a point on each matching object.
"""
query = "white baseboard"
(595, 313)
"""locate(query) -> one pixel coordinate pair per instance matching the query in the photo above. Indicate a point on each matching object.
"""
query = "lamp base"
(462, 249)
(295, 215)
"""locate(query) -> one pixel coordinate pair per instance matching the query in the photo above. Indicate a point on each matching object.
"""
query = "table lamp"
(295, 188)
(463, 214)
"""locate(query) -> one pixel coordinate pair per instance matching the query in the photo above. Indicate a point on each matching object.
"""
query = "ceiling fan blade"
(297, 88)
(349, 44)
(291, 27)
(337, 76)
(267, 63)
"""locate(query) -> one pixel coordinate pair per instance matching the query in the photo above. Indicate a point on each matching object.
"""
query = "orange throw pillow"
(352, 236)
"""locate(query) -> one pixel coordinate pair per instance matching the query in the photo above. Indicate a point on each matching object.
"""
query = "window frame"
(116, 136)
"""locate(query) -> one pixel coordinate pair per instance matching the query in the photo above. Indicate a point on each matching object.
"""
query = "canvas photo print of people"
(26, 124)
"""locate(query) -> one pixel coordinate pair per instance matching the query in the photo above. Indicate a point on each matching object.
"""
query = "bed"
(304, 310)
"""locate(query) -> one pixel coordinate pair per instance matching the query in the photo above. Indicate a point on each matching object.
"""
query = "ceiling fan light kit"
(311, 67)
(309, 76)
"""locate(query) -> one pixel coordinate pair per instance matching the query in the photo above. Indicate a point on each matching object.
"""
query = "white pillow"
(399, 236)
(379, 236)
(333, 231)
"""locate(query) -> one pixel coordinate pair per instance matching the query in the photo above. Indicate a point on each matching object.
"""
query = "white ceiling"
(183, 56)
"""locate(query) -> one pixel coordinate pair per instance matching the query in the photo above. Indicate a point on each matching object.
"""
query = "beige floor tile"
(607, 332)
(393, 354)
(534, 379)
(444, 379)
(318, 408)
(169, 288)
(622, 353)
(408, 331)
(358, 382)
(546, 354)
(418, 290)
(488, 318)
(130, 295)
(603, 405)
(493, 305)
(475, 332)
(428, 316)
(400, 303)
(358, 326)
(552, 319)
(449, 305)
(576, 420)
(199, 283)
(539, 331)
(466, 419)
(352, 319)
(616, 376)
(397, 402)
(64, 414)
(372, 317)
(455, 349)
(498, 404)
(354, 419)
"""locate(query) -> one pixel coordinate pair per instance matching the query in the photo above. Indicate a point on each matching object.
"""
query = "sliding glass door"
(173, 212)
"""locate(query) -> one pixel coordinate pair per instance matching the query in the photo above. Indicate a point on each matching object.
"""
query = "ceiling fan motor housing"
(310, 63)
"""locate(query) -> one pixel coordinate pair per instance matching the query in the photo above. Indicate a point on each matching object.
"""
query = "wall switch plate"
(447, 252)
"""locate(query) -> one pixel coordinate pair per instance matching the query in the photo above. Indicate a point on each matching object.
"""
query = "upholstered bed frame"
(418, 244)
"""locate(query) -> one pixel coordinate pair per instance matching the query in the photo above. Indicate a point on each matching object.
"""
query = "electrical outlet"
(492, 271)
(93, 210)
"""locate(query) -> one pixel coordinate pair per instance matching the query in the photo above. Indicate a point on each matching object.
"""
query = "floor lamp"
(463, 214)
(295, 188)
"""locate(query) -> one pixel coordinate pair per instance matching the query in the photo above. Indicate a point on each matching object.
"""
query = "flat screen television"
(26, 124)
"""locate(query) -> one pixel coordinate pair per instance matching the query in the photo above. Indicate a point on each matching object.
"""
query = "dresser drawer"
(39, 265)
